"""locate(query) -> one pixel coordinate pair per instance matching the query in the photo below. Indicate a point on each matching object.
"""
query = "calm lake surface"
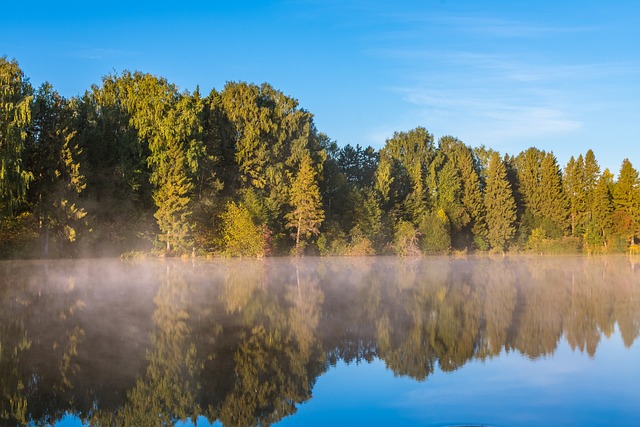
(514, 341)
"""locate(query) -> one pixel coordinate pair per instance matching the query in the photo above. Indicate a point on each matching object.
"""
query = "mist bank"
(135, 165)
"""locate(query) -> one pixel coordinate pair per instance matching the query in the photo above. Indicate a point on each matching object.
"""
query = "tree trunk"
(298, 236)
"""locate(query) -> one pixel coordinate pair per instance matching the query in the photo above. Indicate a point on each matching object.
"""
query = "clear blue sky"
(559, 75)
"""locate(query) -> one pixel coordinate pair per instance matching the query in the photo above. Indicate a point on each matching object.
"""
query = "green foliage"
(241, 235)
(402, 171)
(15, 117)
(17, 236)
(406, 239)
(306, 214)
(500, 205)
(626, 200)
(435, 230)
(332, 241)
(54, 156)
(135, 161)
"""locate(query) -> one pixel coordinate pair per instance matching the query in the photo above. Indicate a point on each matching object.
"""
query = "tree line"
(137, 165)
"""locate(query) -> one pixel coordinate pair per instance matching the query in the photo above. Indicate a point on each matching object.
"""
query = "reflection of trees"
(243, 342)
(167, 392)
(39, 339)
(277, 356)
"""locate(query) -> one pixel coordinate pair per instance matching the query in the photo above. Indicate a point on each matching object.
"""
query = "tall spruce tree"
(626, 199)
(553, 203)
(402, 172)
(574, 189)
(499, 204)
(601, 222)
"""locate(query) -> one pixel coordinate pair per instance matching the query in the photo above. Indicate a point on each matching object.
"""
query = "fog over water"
(243, 342)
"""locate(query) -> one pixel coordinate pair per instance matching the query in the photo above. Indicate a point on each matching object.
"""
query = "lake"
(438, 341)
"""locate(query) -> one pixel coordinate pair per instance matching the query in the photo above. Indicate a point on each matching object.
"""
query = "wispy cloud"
(99, 54)
(490, 116)
(508, 28)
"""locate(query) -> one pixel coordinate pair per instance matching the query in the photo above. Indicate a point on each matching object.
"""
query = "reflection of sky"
(568, 389)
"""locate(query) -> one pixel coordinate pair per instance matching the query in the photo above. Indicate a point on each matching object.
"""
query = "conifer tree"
(402, 168)
(626, 199)
(600, 223)
(500, 205)
(574, 189)
(304, 197)
(553, 204)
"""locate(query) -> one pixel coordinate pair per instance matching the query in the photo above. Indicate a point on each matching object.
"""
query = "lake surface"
(504, 341)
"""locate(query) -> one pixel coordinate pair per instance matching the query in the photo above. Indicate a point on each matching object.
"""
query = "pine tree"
(574, 189)
(553, 204)
(500, 205)
(590, 180)
(601, 222)
(626, 199)
(402, 169)
(306, 214)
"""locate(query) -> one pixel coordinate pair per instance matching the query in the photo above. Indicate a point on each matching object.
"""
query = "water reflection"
(243, 342)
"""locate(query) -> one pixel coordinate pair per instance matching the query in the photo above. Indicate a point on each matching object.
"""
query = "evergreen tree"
(15, 117)
(553, 204)
(626, 199)
(601, 222)
(574, 189)
(464, 197)
(402, 169)
(306, 214)
(499, 204)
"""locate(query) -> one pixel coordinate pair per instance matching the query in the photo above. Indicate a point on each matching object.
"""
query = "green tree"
(499, 204)
(601, 222)
(553, 203)
(271, 135)
(241, 235)
(118, 194)
(459, 192)
(358, 164)
(435, 230)
(626, 200)
(574, 189)
(53, 156)
(306, 214)
(167, 121)
(402, 172)
(540, 193)
(15, 117)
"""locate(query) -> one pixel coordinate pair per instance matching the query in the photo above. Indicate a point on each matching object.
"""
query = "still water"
(321, 341)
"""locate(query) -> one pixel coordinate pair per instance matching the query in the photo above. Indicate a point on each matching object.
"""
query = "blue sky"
(558, 75)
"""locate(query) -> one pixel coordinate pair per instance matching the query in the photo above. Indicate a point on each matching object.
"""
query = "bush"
(436, 233)
(332, 241)
(360, 244)
(241, 236)
(405, 240)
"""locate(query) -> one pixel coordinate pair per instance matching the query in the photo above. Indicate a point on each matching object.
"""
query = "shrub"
(241, 236)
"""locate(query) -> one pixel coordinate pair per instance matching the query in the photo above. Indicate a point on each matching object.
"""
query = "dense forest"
(135, 165)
